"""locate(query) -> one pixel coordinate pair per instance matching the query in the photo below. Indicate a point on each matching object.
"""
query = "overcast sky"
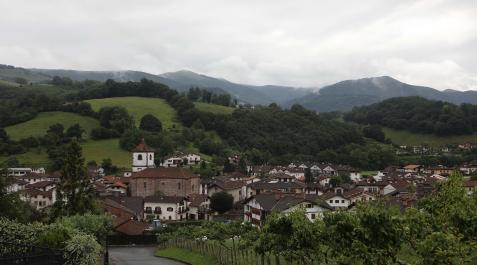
(299, 43)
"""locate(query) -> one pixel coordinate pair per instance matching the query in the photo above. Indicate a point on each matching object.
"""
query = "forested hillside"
(418, 115)
(264, 134)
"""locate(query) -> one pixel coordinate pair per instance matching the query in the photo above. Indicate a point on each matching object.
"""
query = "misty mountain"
(247, 93)
(183, 80)
(10, 73)
(345, 95)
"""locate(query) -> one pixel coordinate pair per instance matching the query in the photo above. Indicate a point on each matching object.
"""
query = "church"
(148, 180)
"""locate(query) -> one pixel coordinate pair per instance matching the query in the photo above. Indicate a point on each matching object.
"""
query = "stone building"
(170, 181)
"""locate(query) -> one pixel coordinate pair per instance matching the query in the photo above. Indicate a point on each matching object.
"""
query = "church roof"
(165, 172)
(142, 147)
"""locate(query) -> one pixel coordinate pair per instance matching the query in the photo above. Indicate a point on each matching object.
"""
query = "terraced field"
(138, 107)
(40, 124)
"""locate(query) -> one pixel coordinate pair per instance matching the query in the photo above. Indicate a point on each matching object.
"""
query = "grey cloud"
(301, 43)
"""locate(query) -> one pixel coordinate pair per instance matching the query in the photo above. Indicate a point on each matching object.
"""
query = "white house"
(21, 171)
(358, 195)
(180, 159)
(16, 185)
(355, 176)
(192, 159)
(166, 208)
(38, 198)
(313, 210)
(199, 205)
(173, 161)
(258, 207)
(336, 200)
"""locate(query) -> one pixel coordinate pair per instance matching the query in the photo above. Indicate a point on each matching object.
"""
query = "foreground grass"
(138, 107)
(409, 138)
(185, 255)
(213, 108)
(40, 124)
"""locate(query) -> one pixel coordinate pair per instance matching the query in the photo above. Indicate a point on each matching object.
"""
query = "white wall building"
(143, 157)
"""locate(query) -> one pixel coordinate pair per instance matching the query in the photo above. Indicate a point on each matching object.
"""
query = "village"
(151, 196)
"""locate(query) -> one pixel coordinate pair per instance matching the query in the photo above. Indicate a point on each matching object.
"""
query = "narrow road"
(137, 256)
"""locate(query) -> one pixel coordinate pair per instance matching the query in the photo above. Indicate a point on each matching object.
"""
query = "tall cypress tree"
(75, 191)
(242, 166)
(308, 175)
(228, 167)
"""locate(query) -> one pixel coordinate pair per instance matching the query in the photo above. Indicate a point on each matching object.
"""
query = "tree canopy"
(418, 115)
(150, 123)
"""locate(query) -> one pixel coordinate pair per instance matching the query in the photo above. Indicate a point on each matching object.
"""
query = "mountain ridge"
(341, 96)
(182, 80)
(345, 95)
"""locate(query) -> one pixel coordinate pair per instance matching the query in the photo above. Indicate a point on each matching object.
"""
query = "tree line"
(204, 95)
(418, 115)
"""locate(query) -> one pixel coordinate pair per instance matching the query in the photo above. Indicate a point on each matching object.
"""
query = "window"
(337, 201)
(139, 157)
(145, 185)
(170, 209)
(313, 216)
(148, 210)
(178, 186)
(170, 217)
(331, 201)
(157, 210)
(150, 157)
(342, 201)
(309, 205)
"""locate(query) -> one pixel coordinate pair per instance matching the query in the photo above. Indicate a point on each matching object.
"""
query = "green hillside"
(40, 124)
(92, 150)
(408, 138)
(138, 107)
(214, 108)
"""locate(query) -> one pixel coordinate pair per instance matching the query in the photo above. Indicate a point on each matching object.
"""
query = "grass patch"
(8, 83)
(40, 124)
(191, 257)
(33, 158)
(213, 108)
(138, 107)
(369, 173)
(92, 150)
(408, 138)
(99, 150)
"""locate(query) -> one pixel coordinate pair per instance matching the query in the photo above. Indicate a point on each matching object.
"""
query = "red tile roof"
(142, 147)
(131, 227)
(40, 184)
(197, 199)
(165, 172)
(470, 183)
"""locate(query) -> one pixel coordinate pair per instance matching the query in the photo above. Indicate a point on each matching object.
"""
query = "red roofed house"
(470, 186)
